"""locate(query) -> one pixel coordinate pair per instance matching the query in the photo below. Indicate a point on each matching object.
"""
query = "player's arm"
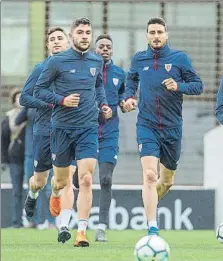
(191, 85)
(41, 89)
(121, 95)
(27, 99)
(21, 117)
(5, 140)
(219, 103)
(101, 96)
(132, 83)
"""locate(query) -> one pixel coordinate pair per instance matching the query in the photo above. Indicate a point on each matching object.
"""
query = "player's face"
(81, 37)
(104, 48)
(57, 42)
(157, 36)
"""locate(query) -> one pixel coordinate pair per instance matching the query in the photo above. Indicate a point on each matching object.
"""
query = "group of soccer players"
(77, 93)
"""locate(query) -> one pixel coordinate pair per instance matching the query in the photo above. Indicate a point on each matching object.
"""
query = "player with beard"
(164, 75)
(74, 126)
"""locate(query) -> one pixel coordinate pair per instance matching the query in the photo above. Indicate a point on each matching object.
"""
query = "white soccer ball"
(152, 248)
(219, 233)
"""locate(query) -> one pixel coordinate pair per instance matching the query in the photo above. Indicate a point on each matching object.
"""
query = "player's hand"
(170, 84)
(130, 104)
(107, 111)
(72, 100)
(122, 106)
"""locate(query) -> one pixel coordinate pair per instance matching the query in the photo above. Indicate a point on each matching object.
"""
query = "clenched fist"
(72, 100)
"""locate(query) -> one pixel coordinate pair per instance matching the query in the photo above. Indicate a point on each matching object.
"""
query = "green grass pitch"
(34, 245)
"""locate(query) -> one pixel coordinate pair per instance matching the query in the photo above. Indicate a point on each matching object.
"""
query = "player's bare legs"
(36, 183)
(86, 168)
(165, 181)
(149, 192)
(67, 202)
(58, 182)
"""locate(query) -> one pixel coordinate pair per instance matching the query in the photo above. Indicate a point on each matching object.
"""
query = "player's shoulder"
(180, 53)
(37, 69)
(95, 57)
(118, 70)
(140, 55)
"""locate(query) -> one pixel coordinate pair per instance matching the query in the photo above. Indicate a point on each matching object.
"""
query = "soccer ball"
(152, 248)
(219, 232)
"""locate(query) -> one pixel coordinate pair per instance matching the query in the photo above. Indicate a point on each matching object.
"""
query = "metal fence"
(194, 26)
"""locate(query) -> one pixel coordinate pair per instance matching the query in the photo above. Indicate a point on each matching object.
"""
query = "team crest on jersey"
(93, 71)
(53, 156)
(115, 81)
(35, 163)
(168, 66)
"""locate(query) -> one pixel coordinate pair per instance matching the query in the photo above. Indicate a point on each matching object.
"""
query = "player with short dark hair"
(114, 83)
(57, 42)
(164, 75)
(74, 125)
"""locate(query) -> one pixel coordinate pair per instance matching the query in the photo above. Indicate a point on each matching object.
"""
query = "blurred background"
(194, 26)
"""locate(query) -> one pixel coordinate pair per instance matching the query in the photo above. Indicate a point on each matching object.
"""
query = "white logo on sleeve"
(72, 71)
(35, 163)
(115, 81)
(140, 147)
(53, 156)
(146, 68)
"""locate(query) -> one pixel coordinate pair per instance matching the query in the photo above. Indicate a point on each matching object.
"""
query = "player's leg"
(62, 155)
(165, 181)
(67, 202)
(107, 159)
(169, 157)
(42, 165)
(86, 155)
(149, 153)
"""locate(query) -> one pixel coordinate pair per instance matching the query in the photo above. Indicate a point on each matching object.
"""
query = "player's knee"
(106, 181)
(40, 183)
(86, 180)
(60, 183)
(169, 178)
(150, 176)
(169, 182)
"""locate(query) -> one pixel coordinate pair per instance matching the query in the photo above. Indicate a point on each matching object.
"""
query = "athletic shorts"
(164, 144)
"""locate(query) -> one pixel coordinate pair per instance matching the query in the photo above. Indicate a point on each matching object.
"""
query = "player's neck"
(79, 51)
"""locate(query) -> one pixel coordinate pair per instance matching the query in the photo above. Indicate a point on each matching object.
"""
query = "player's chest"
(159, 68)
(112, 82)
(80, 70)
